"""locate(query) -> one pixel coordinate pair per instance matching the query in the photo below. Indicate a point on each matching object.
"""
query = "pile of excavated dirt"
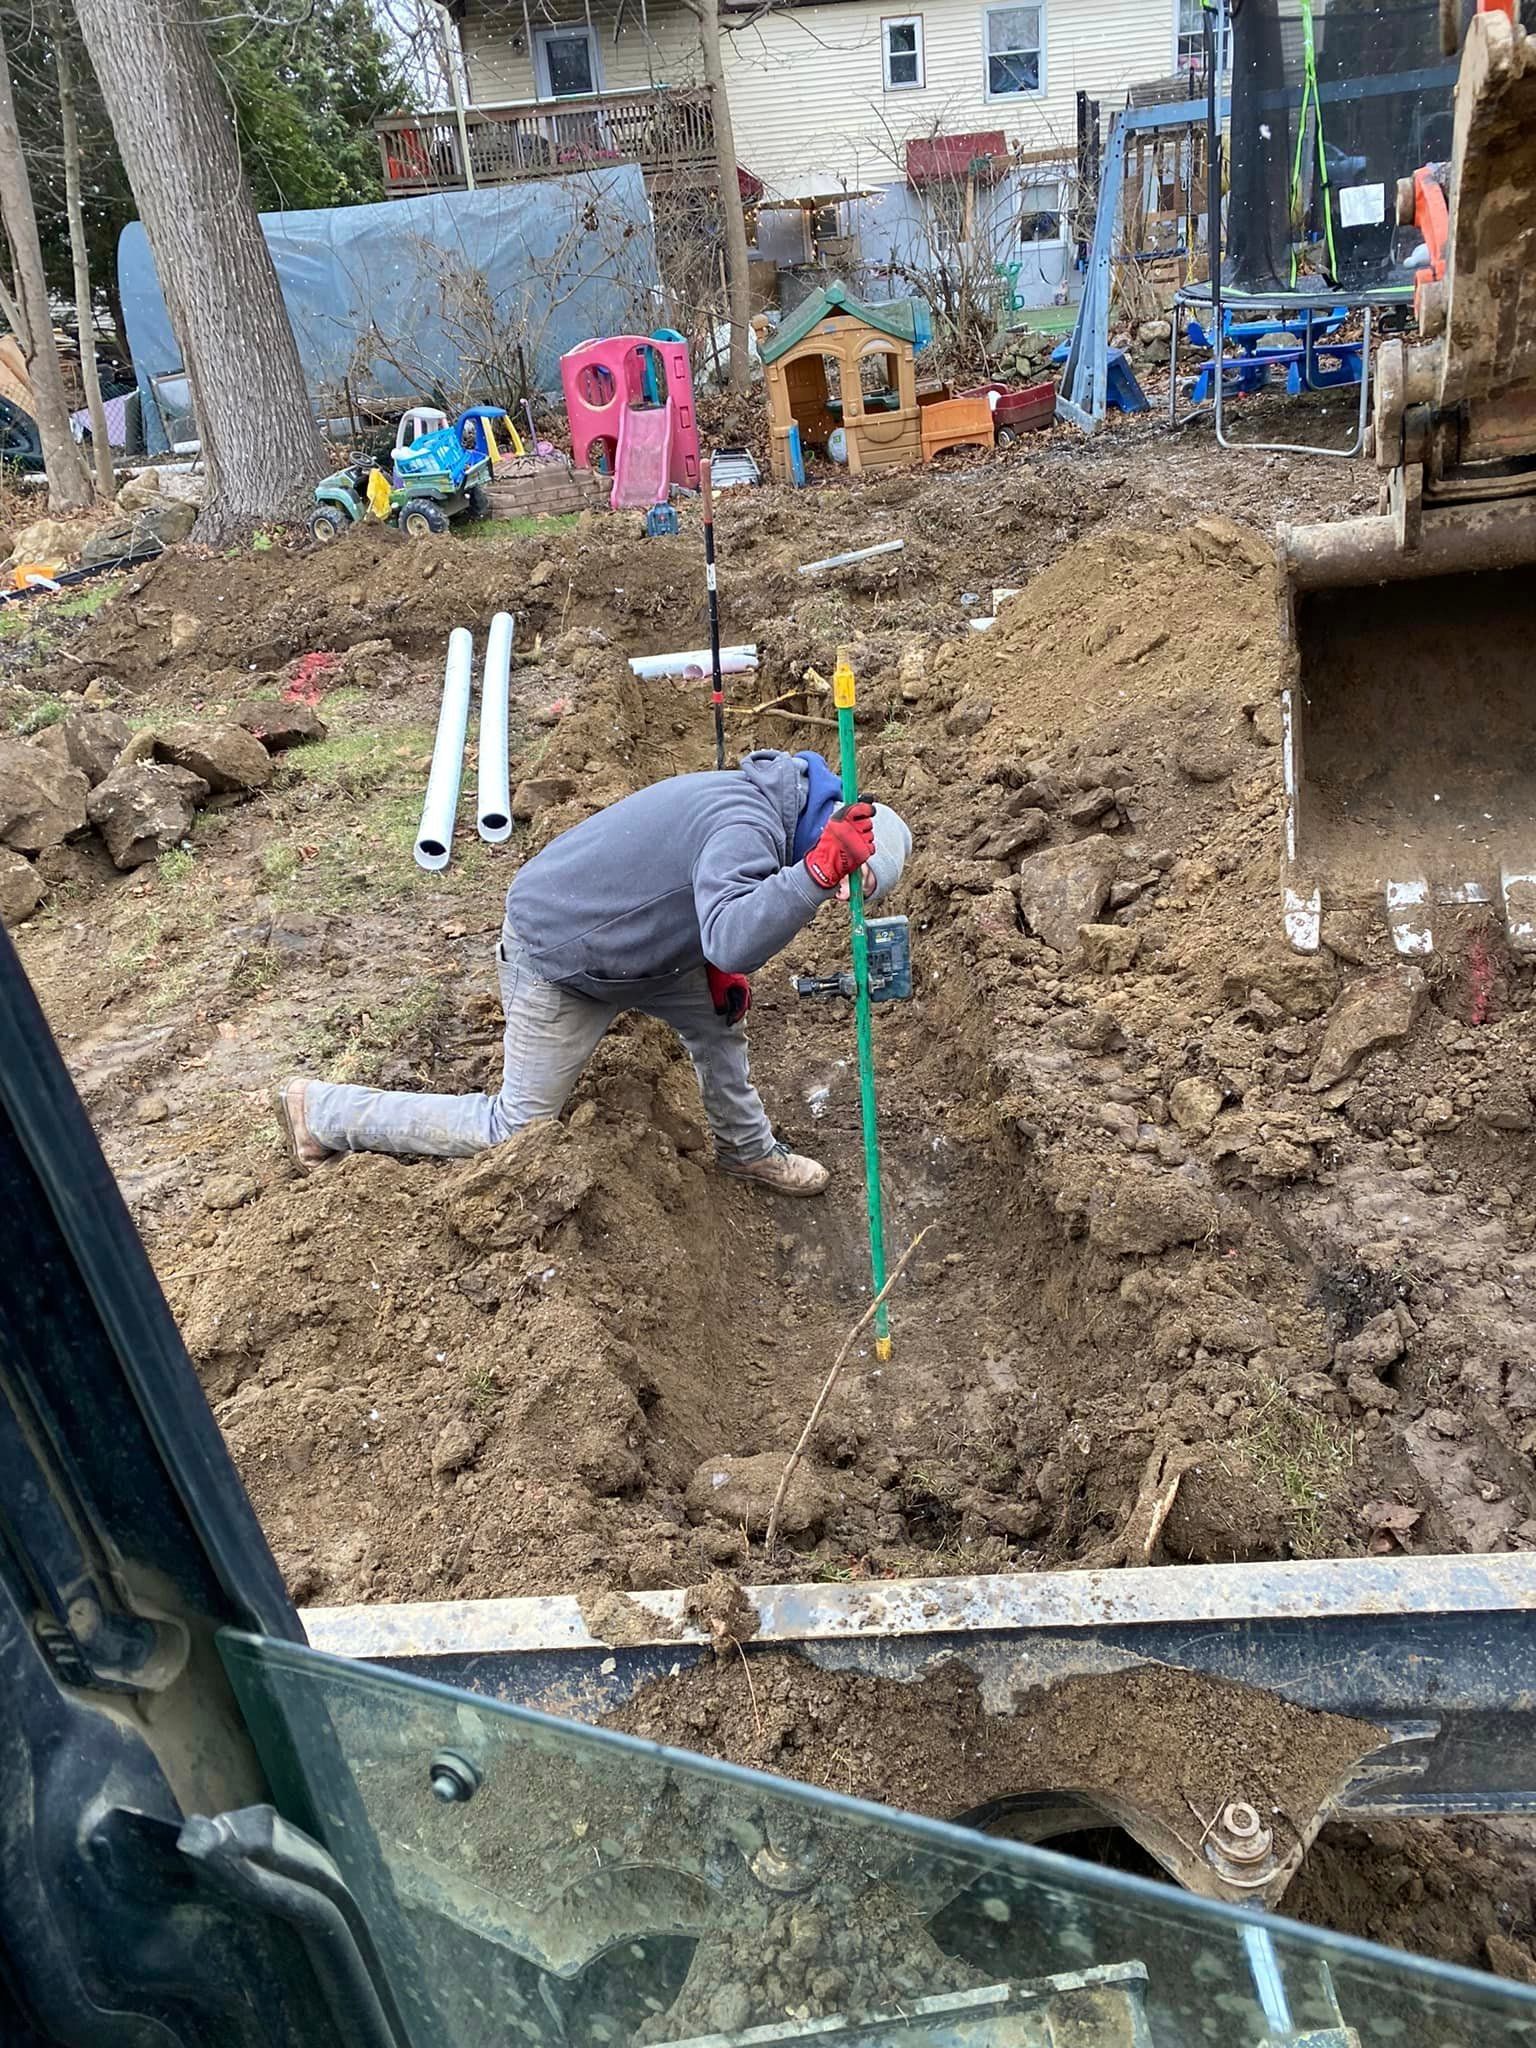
(1230, 1250)
(1216, 1251)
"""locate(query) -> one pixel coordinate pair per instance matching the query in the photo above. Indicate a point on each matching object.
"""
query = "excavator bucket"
(1410, 716)
(1410, 752)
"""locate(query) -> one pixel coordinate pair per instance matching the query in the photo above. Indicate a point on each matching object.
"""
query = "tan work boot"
(783, 1172)
(307, 1151)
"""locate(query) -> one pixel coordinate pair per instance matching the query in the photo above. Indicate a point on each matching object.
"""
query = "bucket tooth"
(1409, 916)
(1517, 890)
(1303, 917)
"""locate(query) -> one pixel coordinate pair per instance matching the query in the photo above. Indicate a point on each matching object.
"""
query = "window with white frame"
(1014, 42)
(901, 42)
(1189, 55)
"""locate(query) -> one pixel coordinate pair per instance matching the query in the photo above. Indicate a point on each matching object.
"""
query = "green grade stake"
(843, 698)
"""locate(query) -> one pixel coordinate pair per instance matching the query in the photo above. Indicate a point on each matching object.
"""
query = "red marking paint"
(303, 686)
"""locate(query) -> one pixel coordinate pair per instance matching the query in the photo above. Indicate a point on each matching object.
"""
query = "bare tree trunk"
(25, 306)
(737, 273)
(261, 447)
(85, 313)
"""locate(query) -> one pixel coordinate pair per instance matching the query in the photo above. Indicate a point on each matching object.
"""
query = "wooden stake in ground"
(771, 1538)
(85, 311)
(26, 310)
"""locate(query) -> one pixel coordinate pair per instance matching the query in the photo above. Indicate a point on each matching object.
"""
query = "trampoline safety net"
(1332, 102)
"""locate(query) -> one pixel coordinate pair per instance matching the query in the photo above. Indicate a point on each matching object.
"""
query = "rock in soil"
(279, 724)
(21, 887)
(738, 1492)
(1506, 1105)
(540, 793)
(1108, 948)
(88, 740)
(1133, 1207)
(1376, 1011)
(143, 809)
(1066, 887)
(42, 799)
(226, 757)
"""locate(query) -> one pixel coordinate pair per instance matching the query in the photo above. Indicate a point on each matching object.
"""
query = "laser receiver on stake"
(890, 966)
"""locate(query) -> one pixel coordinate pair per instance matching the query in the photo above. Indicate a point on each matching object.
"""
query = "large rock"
(739, 1493)
(139, 491)
(48, 540)
(1143, 1212)
(168, 521)
(226, 757)
(540, 793)
(21, 887)
(42, 799)
(1067, 886)
(1374, 1012)
(279, 724)
(143, 809)
(1506, 1105)
(88, 740)
(1195, 1104)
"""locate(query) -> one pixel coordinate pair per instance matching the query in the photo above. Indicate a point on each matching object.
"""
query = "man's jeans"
(551, 1034)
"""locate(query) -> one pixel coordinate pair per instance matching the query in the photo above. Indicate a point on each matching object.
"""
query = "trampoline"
(1332, 101)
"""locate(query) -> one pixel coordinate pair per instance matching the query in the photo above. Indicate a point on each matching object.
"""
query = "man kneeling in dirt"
(664, 902)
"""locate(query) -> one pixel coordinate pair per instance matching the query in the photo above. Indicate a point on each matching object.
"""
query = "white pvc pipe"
(884, 547)
(434, 838)
(734, 661)
(493, 803)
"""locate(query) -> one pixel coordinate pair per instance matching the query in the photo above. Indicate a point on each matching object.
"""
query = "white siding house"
(824, 101)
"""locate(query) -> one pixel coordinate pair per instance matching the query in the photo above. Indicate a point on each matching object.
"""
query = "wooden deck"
(662, 131)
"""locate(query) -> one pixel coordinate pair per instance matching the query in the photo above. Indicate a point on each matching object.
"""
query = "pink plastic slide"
(642, 465)
(647, 449)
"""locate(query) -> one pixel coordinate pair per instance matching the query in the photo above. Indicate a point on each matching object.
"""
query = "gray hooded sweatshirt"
(692, 870)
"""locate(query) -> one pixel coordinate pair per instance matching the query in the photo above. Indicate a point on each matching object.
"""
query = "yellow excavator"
(1409, 740)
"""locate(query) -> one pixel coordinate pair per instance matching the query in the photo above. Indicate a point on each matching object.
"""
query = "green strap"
(1310, 98)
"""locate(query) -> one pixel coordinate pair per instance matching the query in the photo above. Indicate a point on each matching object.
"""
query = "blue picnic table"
(1310, 337)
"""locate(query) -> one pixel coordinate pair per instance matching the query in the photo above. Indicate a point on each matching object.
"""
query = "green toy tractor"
(434, 477)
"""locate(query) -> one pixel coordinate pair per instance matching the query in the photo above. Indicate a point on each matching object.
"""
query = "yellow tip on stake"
(882, 1348)
(842, 685)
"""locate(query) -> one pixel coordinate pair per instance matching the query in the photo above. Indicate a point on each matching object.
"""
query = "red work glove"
(847, 841)
(730, 993)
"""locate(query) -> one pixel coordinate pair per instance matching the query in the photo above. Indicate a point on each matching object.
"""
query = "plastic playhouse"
(838, 363)
(842, 379)
(629, 400)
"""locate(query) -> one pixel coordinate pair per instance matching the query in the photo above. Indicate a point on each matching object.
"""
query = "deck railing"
(663, 129)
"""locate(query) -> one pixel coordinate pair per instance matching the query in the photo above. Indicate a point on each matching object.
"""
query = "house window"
(1189, 55)
(901, 38)
(1014, 38)
(1040, 212)
(567, 63)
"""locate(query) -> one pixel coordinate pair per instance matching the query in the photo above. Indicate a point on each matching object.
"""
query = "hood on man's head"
(893, 842)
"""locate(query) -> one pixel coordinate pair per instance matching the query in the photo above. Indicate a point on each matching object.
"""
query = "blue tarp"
(399, 295)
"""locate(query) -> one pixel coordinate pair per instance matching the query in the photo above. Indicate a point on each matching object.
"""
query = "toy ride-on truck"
(434, 477)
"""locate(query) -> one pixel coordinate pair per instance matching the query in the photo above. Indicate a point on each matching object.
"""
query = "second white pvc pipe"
(434, 837)
(734, 661)
(493, 803)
